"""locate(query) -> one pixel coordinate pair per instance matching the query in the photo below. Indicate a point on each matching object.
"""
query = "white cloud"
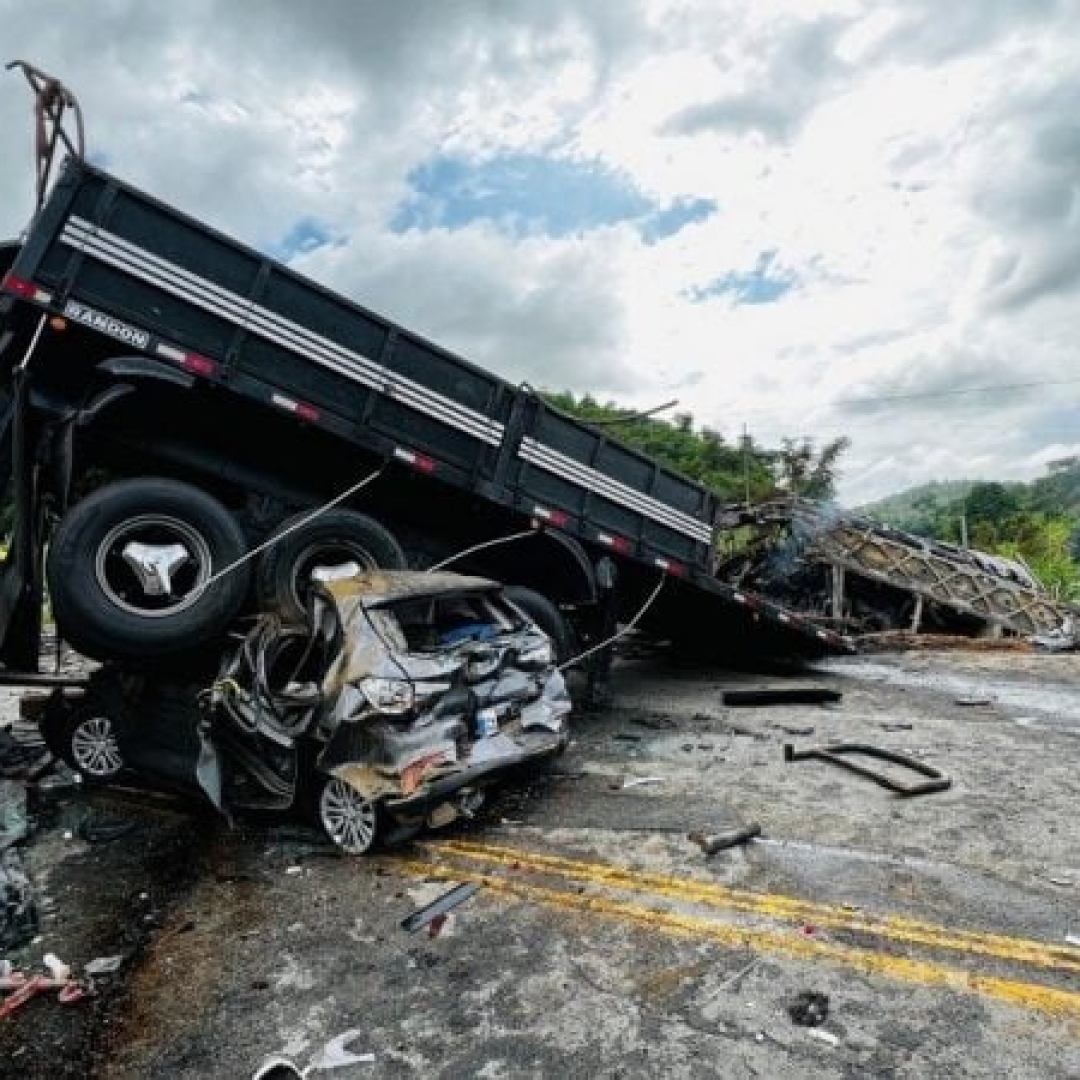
(912, 167)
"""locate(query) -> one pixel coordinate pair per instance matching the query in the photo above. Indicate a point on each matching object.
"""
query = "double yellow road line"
(743, 919)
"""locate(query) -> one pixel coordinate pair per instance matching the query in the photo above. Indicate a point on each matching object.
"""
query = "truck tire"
(547, 616)
(332, 539)
(128, 566)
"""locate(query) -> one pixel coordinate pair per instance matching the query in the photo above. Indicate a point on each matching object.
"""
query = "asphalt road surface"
(602, 941)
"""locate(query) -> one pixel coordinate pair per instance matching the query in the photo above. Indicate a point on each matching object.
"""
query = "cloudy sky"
(810, 218)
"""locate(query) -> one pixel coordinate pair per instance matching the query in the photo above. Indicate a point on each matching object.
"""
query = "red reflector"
(423, 464)
(558, 518)
(616, 543)
(27, 290)
(306, 412)
(198, 365)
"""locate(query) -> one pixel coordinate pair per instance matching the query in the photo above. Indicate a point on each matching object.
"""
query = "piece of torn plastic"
(443, 904)
(56, 967)
(824, 1036)
(24, 989)
(638, 781)
(782, 695)
(104, 965)
(333, 1055)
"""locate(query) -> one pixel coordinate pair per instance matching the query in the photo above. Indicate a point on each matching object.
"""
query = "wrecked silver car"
(406, 695)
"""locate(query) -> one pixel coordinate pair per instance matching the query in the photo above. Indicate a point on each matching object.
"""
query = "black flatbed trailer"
(137, 341)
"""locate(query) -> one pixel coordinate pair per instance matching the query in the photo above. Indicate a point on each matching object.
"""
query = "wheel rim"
(153, 565)
(94, 748)
(326, 556)
(348, 818)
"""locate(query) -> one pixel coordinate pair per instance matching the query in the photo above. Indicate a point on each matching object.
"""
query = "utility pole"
(744, 441)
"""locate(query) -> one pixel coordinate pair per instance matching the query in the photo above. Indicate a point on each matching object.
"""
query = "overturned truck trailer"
(172, 401)
(866, 576)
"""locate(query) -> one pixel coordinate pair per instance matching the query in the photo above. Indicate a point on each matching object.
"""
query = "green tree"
(801, 469)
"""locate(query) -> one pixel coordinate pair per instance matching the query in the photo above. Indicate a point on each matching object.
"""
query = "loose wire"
(621, 633)
(481, 547)
(305, 520)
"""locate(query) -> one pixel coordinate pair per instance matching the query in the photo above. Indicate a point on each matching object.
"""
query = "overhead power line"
(918, 395)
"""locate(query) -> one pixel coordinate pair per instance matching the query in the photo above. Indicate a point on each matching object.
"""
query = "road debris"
(1072, 939)
(735, 981)
(439, 907)
(102, 829)
(824, 1036)
(333, 1055)
(638, 781)
(14, 824)
(23, 988)
(663, 723)
(278, 1068)
(810, 1008)
(817, 560)
(973, 701)
(711, 844)
(19, 757)
(104, 965)
(781, 695)
(18, 909)
(836, 753)
(56, 967)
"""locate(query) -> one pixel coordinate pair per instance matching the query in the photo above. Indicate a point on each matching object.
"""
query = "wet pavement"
(602, 940)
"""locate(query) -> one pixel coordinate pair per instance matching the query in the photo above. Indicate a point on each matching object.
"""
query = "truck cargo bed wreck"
(868, 576)
(225, 393)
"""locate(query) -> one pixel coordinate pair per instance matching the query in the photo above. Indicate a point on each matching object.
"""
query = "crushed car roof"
(378, 587)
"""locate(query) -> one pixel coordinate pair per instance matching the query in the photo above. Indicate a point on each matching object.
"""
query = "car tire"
(110, 607)
(331, 539)
(83, 737)
(547, 616)
(349, 820)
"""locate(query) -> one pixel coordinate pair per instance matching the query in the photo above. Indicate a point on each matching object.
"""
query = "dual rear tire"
(151, 567)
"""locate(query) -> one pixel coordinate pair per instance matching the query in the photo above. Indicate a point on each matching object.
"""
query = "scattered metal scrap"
(836, 754)
(861, 576)
(711, 844)
(439, 907)
(795, 695)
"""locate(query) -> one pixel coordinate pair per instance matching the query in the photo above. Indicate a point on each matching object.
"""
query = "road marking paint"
(776, 906)
(1045, 999)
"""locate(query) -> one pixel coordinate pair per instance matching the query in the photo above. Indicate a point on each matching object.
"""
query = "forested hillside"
(1038, 521)
(703, 454)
